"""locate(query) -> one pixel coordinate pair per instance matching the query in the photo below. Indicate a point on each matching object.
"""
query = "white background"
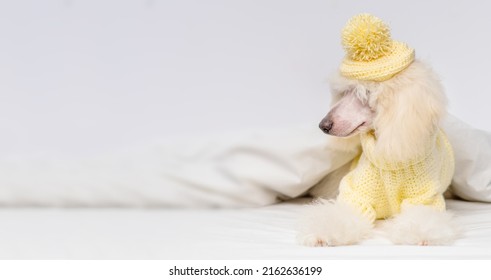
(83, 77)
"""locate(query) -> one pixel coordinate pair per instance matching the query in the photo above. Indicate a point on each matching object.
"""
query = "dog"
(405, 163)
(403, 116)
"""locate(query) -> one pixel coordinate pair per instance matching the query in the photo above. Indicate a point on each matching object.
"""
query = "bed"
(235, 197)
(254, 233)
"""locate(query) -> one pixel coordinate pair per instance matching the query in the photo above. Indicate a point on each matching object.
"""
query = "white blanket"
(246, 169)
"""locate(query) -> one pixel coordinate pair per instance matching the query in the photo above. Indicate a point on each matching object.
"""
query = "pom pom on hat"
(371, 54)
(366, 38)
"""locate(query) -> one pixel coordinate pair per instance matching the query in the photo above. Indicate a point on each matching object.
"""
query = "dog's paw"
(328, 223)
(423, 226)
(312, 240)
(423, 243)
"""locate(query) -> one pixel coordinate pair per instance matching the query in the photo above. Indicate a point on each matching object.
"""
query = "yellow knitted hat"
(371, 54)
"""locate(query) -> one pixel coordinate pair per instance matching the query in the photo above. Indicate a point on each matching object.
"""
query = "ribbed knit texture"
(371, 54)
(379, 187)
(380, 69)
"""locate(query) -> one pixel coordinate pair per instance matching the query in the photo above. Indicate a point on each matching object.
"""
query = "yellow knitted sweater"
(379, 187)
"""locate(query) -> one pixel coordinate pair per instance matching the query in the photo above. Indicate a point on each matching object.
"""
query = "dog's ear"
(408, 111)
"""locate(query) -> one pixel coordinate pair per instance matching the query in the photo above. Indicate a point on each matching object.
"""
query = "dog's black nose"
(326, 126)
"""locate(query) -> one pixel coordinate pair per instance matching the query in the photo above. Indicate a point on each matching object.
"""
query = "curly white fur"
(331, 223)
(422, 225)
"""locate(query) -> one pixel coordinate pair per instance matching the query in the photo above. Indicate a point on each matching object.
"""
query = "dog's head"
(350, 115)
(404, 111)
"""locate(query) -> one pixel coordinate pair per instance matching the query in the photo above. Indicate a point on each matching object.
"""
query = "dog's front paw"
(328, 223)
(423, 243)
(423, 226)
(313, 240)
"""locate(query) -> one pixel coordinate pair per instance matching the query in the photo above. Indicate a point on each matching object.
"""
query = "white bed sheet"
(257, 233)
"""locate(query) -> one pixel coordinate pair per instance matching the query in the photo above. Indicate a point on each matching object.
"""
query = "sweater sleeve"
(436, 201)
(359, 198)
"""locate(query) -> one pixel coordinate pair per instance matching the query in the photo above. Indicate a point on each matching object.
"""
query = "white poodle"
(405, 166)
(389, 106)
